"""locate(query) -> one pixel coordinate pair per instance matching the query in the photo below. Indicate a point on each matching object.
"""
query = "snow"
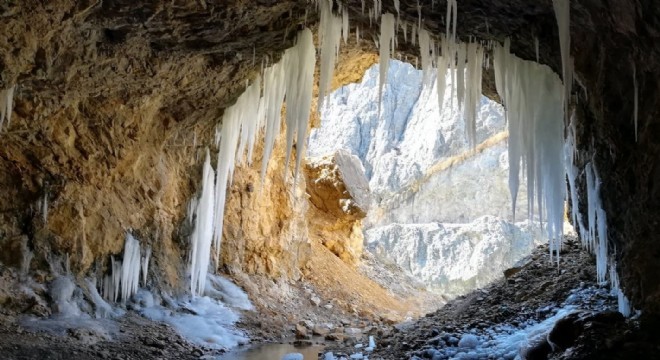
(411, 133)
(453, 259)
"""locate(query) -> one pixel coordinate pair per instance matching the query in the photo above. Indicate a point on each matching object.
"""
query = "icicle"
(202, 235)
(441, 76)
(248, 103)
(44, 207)
(404, 27)
(624, 304)
(460, 74)
(386, 36)
(330, 30)
(6, 105)
(536, 47)
(413, 34)
(274, 90)
(424, 50)
(299, 94)
(130, 268)
(635, 98)
(419, 15)
(563, 14)
(397, 7)
(473, 95)
(345, 27)
(357, 34)
(145, 265)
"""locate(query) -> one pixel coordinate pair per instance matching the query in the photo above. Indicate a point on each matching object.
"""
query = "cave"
(117, 117)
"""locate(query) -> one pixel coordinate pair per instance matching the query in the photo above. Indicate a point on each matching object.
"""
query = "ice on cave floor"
(207, 320)
(221, 288)
(61, 293)
(511, 341)
(293, 356)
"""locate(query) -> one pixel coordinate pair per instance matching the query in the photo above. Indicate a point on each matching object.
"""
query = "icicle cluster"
(331, 28)
(291, 78)
(6, 105)
(532, 96)
(125, 275)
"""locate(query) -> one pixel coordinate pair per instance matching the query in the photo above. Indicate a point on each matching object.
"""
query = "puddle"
(273, 351)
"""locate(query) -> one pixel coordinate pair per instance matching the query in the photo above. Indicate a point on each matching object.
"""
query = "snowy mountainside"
(411, 134)
(454, 258)
(441, 209)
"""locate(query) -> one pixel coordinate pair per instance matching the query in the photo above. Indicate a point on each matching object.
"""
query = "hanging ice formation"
(425, 46)
(291, 78)
(125, 274)
(6, 105)
(202, 230)
(635, 98)
(475, 56)
(563, 14)
(532, 95)
(386, 45)
(624, 304)
(330, 32)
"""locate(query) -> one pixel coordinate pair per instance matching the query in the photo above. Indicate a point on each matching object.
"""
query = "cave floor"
(351, 300)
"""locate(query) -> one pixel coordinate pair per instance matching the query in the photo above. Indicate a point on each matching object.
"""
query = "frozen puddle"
(275, 352)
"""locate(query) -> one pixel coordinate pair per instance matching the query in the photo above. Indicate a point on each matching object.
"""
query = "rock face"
(340, 198)
(411, 133)
(113, 96)
(432, 190)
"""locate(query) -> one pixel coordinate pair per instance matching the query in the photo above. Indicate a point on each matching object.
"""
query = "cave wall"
(116, 99)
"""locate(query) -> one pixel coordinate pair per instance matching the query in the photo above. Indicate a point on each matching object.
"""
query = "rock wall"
(110, 93)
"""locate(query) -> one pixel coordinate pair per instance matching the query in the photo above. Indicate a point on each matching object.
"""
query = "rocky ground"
(530, 293)
(467, 326)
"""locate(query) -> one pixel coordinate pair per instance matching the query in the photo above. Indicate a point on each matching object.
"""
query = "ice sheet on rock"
(61, 293)
(207, 322)
(219, 287)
